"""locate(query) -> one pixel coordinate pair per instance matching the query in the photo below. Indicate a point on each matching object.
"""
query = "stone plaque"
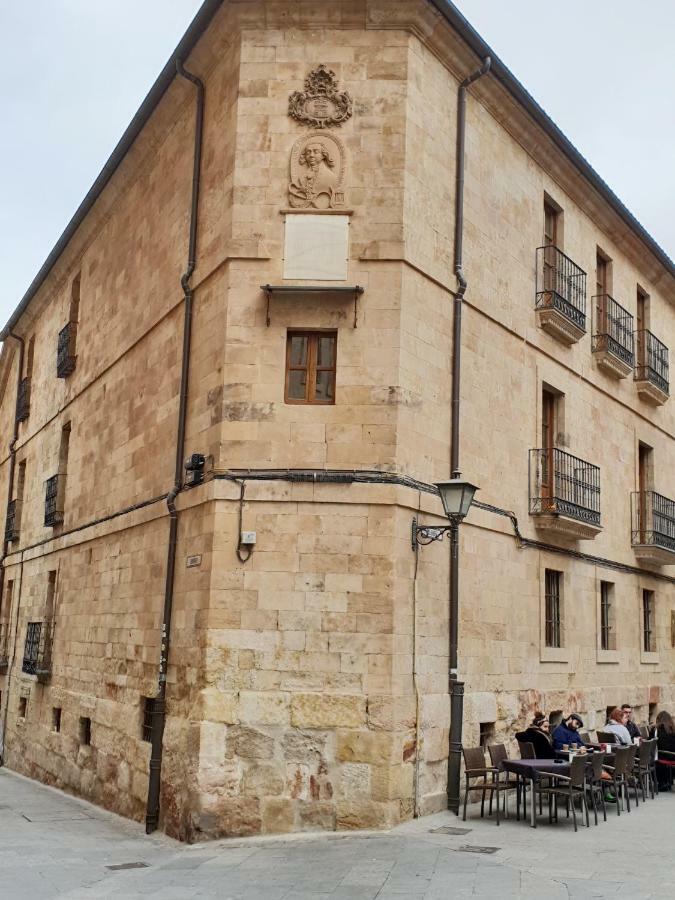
(316, 247)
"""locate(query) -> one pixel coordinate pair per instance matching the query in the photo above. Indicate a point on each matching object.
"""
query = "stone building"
(309, 255)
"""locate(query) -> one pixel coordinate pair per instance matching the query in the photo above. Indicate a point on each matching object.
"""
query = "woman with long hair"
(665, 737)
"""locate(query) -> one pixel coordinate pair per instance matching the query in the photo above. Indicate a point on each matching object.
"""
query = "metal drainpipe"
(5, 545)
(12, 456)
(159, 709)
(456, 687)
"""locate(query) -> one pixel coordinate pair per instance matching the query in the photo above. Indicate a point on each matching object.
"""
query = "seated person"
(538, 735)
(568, 733)
(633, 729)
(616, 725)
(665, 734)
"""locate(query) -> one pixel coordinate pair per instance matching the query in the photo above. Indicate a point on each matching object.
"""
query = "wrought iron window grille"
(613, 329)
(653, 520)
(23, 400)
(65, 352)
(4, 647)
(561, 285)
(652, 362)
(562, 484)
(53, 504)
(37, 650)
(12, 521)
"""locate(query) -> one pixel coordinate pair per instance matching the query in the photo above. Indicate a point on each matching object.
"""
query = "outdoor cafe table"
(532, 770)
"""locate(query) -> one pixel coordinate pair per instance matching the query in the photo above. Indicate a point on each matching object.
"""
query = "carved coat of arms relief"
(321, 104)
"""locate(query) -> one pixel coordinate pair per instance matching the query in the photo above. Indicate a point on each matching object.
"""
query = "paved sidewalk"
(52, 845)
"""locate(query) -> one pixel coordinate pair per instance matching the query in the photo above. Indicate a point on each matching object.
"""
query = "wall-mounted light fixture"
(456, 496)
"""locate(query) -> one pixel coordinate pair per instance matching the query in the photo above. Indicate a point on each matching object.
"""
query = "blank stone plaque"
(316, 247)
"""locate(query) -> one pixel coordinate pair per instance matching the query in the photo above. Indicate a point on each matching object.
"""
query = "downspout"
(159, 707)
(456, 687)
(12, 457)
(5, 545)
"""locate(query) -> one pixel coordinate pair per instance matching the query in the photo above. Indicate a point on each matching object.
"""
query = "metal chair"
(489, 783)
(585, 737)
(632, 779)
(644, 731)
(570, 788)
(643, 769)
(596, 784)
(618, 772)
(606, 737)
(526, 750)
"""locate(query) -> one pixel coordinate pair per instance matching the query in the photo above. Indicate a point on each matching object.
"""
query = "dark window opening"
(648, 642)
(148, 713)
(487, 733)
(607, 632)
(31, 652)
(56, 719)
(553, 624)
(23, 707)
(85, 730)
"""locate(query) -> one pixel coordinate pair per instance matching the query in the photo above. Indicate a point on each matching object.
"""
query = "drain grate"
(448, 829)
(132, 865)
(467, 848)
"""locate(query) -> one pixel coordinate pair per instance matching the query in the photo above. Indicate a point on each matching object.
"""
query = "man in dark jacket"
(633, 730)
(568, 733)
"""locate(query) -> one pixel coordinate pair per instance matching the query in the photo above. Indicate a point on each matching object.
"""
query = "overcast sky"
(75, 71)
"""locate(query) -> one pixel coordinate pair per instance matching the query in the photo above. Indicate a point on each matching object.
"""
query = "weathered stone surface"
(317, 816)
(278, 816)
(240, 817)
(263, 781)
(326, 711)
(249, 743)
(267, 708)
(365, 746)
(354, 781)
(303, 746)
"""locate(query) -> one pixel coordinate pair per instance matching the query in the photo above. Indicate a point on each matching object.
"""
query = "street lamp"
(456, 496)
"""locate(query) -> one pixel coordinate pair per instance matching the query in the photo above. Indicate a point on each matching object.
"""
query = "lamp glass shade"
(456, 496)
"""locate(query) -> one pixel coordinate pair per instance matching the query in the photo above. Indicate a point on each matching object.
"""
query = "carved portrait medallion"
(320, 105)
(317, 171)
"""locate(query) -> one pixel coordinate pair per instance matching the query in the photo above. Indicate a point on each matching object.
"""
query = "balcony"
(561, 295)
(651, 368)
(564, 495)
(23, 400)
(54, 500)
(65, 353)
(13, 521)
(613, 343)
(653, 527)
(37, 654)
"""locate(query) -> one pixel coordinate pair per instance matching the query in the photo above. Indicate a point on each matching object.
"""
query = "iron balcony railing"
(23, 400)
(652, 360)
(65, 353)
(37, 654)
(613, 329)
(4, 647)
(53, 505)
(653, 520)
(13, 520)
(561, 285)
(562, 484)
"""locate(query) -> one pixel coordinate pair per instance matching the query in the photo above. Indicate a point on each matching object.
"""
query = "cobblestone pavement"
(52, 845)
